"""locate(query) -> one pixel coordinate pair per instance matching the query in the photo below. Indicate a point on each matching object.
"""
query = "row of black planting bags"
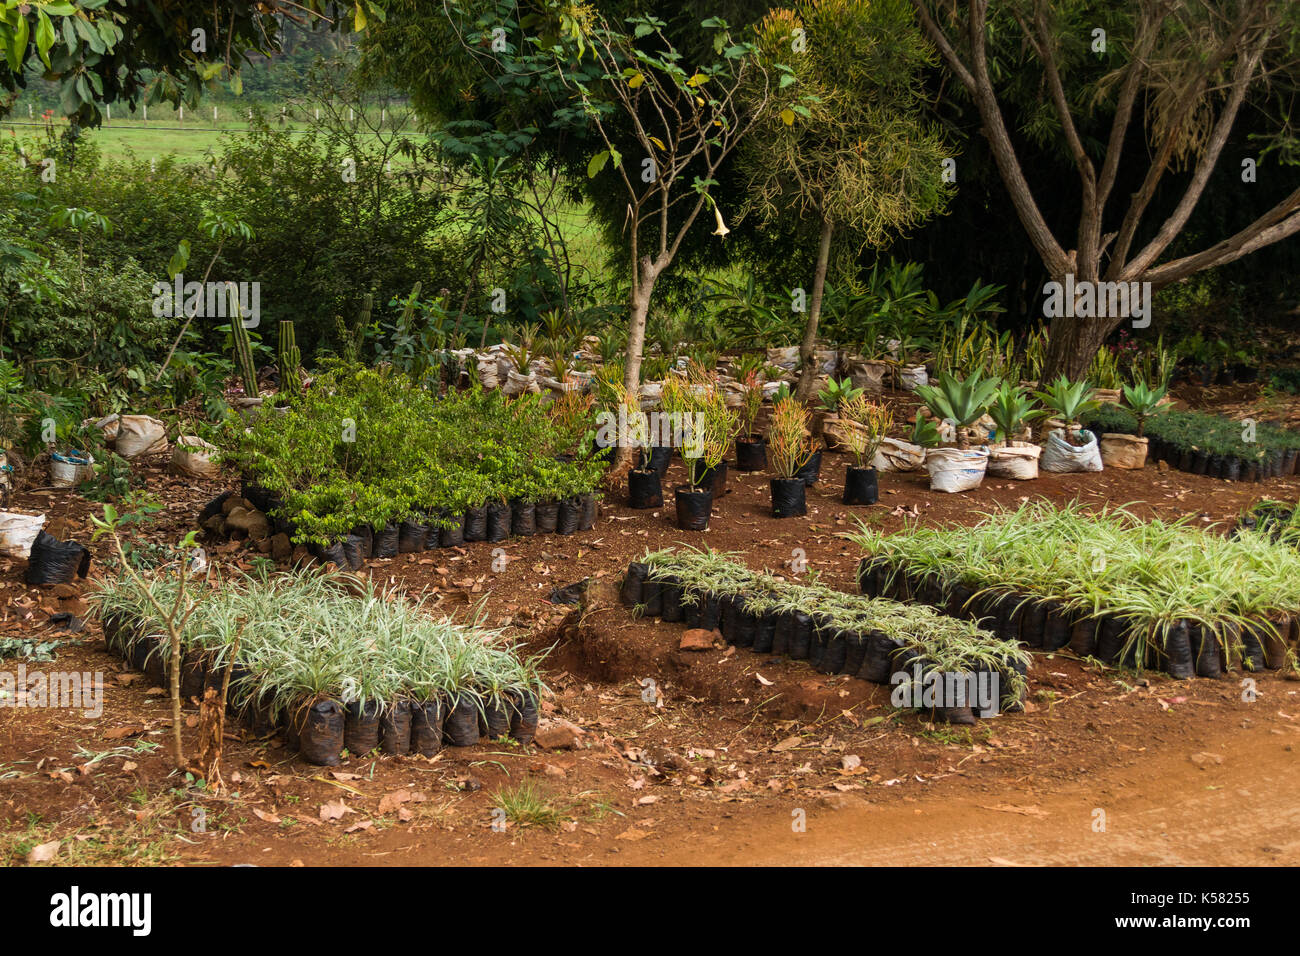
(1187, 649)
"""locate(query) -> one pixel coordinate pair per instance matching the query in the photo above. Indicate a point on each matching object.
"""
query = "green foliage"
(837, 393)
(303, 637)
(960, 401)
(1012, 409)
(366, 447)
(846, 138)
(1069, 400)
(1144, 402)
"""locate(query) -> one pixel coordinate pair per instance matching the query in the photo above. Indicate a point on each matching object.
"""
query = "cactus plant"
(243, 351)
(289, 359)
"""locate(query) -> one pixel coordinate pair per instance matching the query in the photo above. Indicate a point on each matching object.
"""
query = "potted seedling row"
(1140, 594)
(836, 633)
(334, 672)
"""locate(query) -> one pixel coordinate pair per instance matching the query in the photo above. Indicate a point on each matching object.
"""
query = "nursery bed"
(1210, 445)
(331, 663)
(1107, 586)
(837, 633)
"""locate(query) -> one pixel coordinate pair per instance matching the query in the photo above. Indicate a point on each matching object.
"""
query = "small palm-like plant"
(1069, 400)
(837, 393)
(925, 432)
(1011, 410)
(959, 401)
(1144, 402)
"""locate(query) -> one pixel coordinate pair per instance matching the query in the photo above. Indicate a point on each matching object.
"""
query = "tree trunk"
(1072, 344)
(808, 370)
(638, 310)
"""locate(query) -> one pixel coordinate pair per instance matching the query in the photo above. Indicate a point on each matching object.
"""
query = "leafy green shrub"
(365, 447)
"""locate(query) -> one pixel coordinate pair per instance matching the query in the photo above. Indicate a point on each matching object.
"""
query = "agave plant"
(1011, 410)
(959, 401)
(1069, 400)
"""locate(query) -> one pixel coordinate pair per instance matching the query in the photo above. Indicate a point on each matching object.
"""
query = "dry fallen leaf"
(392, 801)
(43, 853)
(335, 810)
(264, 816)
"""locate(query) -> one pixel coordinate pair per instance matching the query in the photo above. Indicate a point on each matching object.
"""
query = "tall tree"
(1180, 70)
(683, 123)
(847, 152)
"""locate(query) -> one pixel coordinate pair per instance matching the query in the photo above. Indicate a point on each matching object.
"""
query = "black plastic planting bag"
(812, 469)
(789, 497)
(386, 541)
(671, 598)
(523, 518)
(498, 521)
(361, 727)
(1011, 614)
(333, 552)
(800, 635)
(728, 617)
(426, 727)
(213, 507)
(693, 508)
(460, 728)
(494, 721)
(1252, 647)
(395, 728)
(367, 536)
(476, 524)
(569, 517)
(453, 536)
(633, 584)
(546, 515)
(652, 596)
(782, 626)
(1083, 638)
(193, 673)
(320, 735)
(1205, 651)
(751, 455)
(834, 654)
(55, 562)
(1056, 627)
(660, 457)
(644, 489)
(1112, 634)
(590, 507)
(411, 536)
(354, 551)
(861, 486)
(746, 626)
(957, 603)
(1178, 651)
(764, 632)
(821, 635)
(855, 653)
(523, 716)
(878, 662)
(710, 612)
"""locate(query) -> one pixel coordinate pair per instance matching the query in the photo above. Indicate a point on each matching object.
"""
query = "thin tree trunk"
(638, 311)
(808, 374)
